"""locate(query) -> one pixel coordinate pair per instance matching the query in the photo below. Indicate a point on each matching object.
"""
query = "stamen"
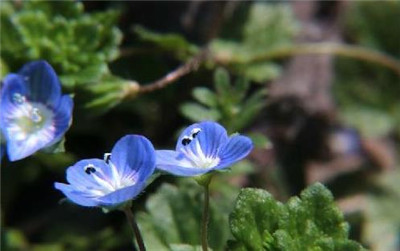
(18, 98)
(186, 140)
(107, 157)
(35, 116)
(89, 169)
(194, 132)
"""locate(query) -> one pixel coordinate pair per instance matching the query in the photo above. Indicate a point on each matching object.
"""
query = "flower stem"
(204, 241)
(135, 228)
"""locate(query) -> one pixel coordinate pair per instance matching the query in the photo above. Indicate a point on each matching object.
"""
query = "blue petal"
(210, 138)
(134, 154)
(75, 196)
(176, 163)
(82, 181)
(42, 82)
(62, 118)
(12, 84)
(17, 150)
(235, 149)
(121, 195)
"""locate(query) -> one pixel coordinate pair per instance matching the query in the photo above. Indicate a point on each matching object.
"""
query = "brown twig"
(173, 76)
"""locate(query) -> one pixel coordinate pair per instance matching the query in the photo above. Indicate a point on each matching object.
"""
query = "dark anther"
(90, 169)
(107, 157)
(195, 134)
(186, 141)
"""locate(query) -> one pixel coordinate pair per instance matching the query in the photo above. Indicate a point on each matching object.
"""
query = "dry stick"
(351, 51)
(171, 77)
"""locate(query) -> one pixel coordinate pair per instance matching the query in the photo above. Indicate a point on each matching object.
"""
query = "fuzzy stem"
(132, 223)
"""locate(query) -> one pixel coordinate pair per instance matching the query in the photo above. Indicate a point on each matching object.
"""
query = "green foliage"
(365, 88)
(381, 217)
(311, 222)
(171, 42)
(268, 26)
(77, 44)
(229, 104)
(174, 217)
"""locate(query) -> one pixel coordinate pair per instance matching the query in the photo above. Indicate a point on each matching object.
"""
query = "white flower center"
(198, 158)
(29, 118)
(108, 183)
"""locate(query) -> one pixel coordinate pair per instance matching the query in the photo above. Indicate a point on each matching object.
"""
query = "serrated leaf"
(255, 214)
(197, 113)
(75, 43)
(205, 96)
(311, 222)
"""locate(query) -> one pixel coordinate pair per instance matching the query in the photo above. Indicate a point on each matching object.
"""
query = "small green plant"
(229, 103)
(311, 222)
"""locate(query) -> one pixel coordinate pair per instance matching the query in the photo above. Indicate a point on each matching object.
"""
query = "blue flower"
(120, 177)
(34, 114)
(201, 148)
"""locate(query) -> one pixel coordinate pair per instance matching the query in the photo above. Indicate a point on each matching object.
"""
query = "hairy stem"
(135, 228)
(204, 225)
(174, 75)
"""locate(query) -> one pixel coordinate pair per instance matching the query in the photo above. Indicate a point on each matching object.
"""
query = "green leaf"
(205, 96)
(108, 92)
(77, 44)
(255, 215)
(197, 113)
(184, 247)
(311, 222)
(260, 140)
(170, 42)
(222, 81)
(58, 147)
(260, 72)
(173, 217)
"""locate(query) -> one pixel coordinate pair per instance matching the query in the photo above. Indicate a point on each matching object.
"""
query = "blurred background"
(316, 85)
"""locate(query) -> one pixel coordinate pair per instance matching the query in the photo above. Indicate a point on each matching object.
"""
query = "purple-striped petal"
(134, 155)
(75, 196)
(235, 149)
(121, 195)
(42, 83)
(83, 178)
(176, 163)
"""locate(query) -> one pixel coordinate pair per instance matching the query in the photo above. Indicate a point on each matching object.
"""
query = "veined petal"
(19, 149)
(134, 155)
(176, 163)
(202, 139)
(42, 82)
(121, 195)
(235, 149)
(97, 181)
(13, 92)
(75, 196)
(62, 118)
